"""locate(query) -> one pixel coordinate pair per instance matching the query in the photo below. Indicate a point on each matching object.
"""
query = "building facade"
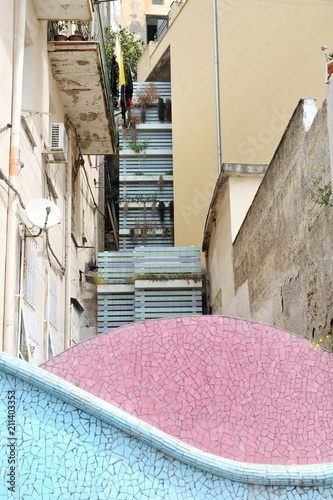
(248, 63)
(57, 121)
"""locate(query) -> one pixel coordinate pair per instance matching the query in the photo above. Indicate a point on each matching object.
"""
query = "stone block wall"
(283, 253)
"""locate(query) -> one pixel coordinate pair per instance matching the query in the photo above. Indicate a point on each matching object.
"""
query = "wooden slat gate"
(149, 282)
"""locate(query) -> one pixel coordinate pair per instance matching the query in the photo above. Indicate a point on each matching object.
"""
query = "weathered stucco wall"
(283, 253)
(134, 12)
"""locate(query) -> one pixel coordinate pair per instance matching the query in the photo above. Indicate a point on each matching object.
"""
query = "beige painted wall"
(220, 269)
(269, 55)
(242, 192)
(193, 121)
(231, 206)
(133, 14)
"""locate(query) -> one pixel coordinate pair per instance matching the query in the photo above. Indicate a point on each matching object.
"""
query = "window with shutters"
(55, 341)
(30, 346)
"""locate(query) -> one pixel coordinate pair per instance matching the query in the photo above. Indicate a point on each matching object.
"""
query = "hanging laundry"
(114, 80)
(128, 83)
(119, 55)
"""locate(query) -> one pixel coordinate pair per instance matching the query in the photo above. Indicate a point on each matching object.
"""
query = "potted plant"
(168, 110)
(161, 211)
(329, 65)
(60, 30)
(147, 96)
(161, 109)
(80, 31)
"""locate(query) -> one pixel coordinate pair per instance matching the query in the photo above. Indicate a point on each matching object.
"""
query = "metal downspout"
(68, 220)
(217, 88)
(10, 341)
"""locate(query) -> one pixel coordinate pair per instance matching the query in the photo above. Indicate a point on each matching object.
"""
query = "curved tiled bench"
(52, 388)
(236, 390)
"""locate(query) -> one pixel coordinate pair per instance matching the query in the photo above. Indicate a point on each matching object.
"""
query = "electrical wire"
(49, 247)
(3, 177)
(84, 169)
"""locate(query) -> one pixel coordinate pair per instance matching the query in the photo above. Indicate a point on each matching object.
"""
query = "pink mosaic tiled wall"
(240, 390)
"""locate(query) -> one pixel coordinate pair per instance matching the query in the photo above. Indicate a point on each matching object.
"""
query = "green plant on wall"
(169, 276)
(131, 47)
(321, 191)
(81, 28)
(138, 199)
(138, 146)
(99, 279)
(24, 352)
(320, 187)
(60, 27)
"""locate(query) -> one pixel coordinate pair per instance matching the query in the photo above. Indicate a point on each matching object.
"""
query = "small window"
(155, 26)
(157, 2)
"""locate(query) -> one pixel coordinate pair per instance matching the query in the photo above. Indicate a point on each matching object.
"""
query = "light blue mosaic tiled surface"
(61, 451)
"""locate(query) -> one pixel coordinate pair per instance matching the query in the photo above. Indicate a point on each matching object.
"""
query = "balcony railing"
(99, 36)
(162, 30)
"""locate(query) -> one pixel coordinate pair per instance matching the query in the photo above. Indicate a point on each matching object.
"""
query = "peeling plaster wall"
(283, 254)
(134, 12)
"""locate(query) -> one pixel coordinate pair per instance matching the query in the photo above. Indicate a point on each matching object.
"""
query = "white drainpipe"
(68, 237)
(217, 88)
(10, 341)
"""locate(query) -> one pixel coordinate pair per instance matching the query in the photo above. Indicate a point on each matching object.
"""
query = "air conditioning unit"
(59, 143)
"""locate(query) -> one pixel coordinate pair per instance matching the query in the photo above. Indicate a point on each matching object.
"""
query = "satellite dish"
(42, 213)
